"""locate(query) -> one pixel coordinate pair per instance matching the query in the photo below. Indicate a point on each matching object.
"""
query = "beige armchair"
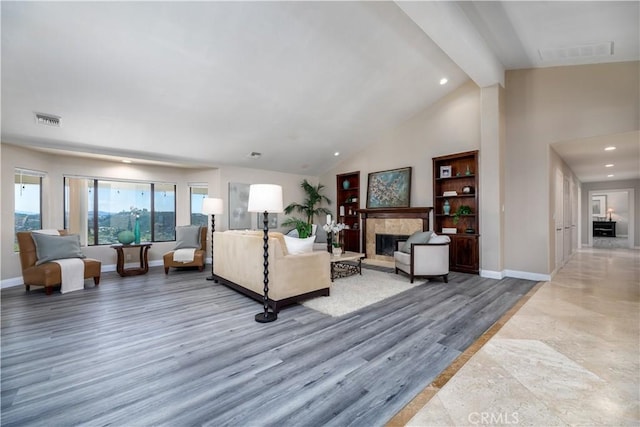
(424, 260)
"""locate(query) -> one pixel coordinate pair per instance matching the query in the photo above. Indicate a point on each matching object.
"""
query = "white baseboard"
(489, 274)
(9, 283)
(17, 281)
(527, 275)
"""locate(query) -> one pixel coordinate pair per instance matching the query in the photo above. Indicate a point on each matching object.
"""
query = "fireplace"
(400, 222)
(386, 243)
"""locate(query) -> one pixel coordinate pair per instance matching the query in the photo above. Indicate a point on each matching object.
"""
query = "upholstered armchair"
(199, 257)
(428, 260)
(48, 274)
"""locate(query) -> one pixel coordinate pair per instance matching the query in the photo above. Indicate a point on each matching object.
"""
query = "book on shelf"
(449, 230)
(450, 193)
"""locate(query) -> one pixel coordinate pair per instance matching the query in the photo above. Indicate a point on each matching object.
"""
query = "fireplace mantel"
(417, 212)
(421, 213)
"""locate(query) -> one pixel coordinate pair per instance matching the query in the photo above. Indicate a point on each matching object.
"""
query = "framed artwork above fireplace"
(389, 189)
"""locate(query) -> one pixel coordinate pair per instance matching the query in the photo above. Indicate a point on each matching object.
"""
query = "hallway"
(568, 356)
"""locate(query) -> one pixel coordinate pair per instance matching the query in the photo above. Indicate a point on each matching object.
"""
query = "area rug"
(351, 293)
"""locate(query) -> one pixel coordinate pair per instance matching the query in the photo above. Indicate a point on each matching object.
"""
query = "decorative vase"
(336, 251)
(346, 184)
(136, 232)
(468, 171)
(446, 208)
(126, 237)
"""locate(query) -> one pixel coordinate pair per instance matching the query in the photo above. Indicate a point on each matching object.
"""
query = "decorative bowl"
(126, 237)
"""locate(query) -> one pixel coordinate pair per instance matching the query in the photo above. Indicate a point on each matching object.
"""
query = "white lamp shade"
(265, 198)
(211, 206)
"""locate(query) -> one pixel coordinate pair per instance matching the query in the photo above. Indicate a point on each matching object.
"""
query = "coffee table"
(346, 264)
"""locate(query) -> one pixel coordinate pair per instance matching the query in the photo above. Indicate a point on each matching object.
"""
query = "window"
(198, 194)
(28, 201)
(99, 209)
(164, 224)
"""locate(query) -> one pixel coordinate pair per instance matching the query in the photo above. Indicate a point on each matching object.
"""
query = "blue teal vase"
(136, 232)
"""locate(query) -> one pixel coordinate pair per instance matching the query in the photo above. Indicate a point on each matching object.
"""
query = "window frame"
(94, 198)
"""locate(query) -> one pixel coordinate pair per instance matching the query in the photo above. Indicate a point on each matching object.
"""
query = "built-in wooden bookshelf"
(455, 184)
(348, 203)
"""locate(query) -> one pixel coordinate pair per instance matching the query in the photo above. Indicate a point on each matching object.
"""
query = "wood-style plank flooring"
(178, 350)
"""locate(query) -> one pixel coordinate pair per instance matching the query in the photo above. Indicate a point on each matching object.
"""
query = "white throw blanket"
(72, 272)
(184, 255)
(71, 269)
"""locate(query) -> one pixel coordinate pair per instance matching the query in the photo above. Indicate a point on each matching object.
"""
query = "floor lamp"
(265, 198)
(211, 206)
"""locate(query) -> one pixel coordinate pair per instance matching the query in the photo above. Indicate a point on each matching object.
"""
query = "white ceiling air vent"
(254, 155)
(575, 52)
(47, 120)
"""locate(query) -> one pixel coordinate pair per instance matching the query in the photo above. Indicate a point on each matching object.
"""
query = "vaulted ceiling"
(208, 83)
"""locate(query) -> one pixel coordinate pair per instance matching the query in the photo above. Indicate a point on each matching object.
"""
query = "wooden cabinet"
(604, 228)
(348, 202)
(455, 189)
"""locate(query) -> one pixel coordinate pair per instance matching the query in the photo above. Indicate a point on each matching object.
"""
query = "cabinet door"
(351, 240)
(464, 253)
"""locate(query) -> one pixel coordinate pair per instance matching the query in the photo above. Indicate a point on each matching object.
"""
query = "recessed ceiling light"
(610, 175)
(337, 153)
(610, 165)
(610, 148)
(443, 81)
(126, 161)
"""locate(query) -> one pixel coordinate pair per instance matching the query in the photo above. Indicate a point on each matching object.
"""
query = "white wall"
(451, 125)
(58, 166)
(551, 105)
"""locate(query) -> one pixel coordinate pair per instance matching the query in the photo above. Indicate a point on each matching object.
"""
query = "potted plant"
(309, 207)
(457, 215)
(333, 231)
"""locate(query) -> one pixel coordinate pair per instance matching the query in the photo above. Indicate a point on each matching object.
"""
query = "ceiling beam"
(446, 24)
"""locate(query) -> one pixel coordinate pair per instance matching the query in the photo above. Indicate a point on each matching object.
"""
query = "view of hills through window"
(119, 205)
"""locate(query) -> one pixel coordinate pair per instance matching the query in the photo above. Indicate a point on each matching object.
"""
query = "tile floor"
(569, 356)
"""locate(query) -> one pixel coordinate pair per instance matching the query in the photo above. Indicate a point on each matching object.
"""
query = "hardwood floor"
(179, 350)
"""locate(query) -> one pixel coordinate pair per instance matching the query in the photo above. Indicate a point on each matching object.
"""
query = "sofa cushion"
(417, 237)
(187, 236)
(299, 246)
(321, 235)
(49, 247)
(439, 239)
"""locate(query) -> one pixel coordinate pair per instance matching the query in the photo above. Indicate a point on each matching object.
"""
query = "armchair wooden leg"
(96, 280)
(48, 290)
(27, 288)
(446, 278)
(166, 270)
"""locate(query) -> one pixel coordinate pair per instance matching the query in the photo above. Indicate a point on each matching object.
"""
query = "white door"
(558, 219)
(566, 219)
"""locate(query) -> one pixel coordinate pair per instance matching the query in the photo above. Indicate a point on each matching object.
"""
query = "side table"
(144, 262)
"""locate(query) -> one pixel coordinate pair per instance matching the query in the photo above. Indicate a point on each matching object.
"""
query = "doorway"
(611, 219)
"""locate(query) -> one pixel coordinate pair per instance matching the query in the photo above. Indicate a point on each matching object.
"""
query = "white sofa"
(238, 263)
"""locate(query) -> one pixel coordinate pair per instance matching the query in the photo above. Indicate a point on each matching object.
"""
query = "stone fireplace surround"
(403, 221)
